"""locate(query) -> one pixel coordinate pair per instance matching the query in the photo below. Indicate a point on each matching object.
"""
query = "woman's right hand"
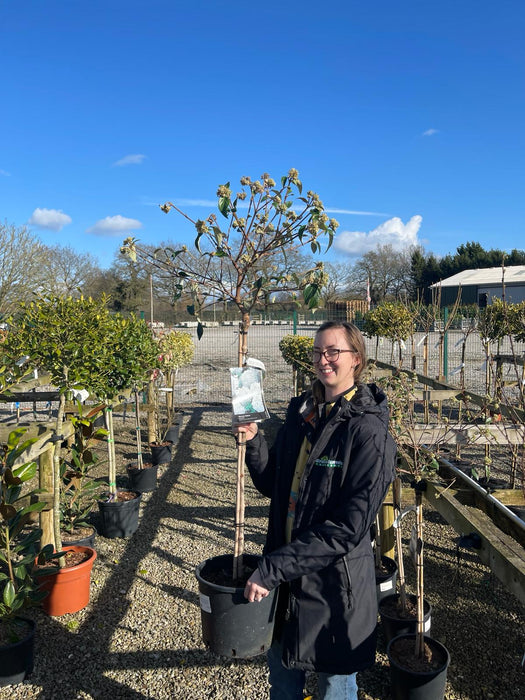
(249, 430)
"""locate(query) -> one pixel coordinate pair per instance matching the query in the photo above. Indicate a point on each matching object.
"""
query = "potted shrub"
(418, 663)
(68, 338)
(176, 351)
(296, 351)
(79, 492)
(131, 353)
(242, 263)
(398, 611)
(18, 547)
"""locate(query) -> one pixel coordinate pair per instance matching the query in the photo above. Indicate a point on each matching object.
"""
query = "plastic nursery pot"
(386, 578)
(394, 622)
(231, 626)
(415, 679)
(17, 657)
(84, 540)
(120, 518)
(160, 454)
(142, 480)
(68, 588)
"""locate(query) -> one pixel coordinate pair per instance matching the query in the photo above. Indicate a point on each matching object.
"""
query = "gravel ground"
(140, 636)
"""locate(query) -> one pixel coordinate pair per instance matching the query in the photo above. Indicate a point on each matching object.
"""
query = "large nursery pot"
(120, 517)
(417, 679)
(160, 452)
(68, 588)
(386, 578)
(231, 626)
(85, 537)
(173, 432)
(394, 622)
(16, 656)
(142, 480)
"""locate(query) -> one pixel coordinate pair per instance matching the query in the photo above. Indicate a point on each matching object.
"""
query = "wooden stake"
(239, 508)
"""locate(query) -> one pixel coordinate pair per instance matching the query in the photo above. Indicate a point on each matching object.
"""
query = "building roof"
(485, 276)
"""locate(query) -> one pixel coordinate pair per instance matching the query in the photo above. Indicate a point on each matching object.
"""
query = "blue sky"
(407, 118)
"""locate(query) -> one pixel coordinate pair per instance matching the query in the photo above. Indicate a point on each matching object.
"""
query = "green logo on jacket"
(328, 463)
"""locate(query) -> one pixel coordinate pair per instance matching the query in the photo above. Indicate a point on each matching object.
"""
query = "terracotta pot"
(68, 588)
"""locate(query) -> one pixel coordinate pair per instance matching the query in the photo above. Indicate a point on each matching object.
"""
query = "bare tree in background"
(22, 266)
(388, 271)
(68, 273)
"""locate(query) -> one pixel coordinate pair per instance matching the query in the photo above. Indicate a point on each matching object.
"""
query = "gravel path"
(140, 637)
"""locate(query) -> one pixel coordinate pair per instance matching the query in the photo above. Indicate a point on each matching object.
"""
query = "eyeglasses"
(330, 355)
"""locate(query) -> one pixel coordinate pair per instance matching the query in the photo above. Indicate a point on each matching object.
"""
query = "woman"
(327, 475)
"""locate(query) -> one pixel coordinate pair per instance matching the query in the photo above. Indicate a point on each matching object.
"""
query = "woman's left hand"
(254, 592)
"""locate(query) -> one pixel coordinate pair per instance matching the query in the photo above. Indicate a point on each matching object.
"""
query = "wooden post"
(45, 474)
(386, 525)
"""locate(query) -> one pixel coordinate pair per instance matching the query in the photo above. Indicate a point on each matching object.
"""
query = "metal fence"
(207, 379)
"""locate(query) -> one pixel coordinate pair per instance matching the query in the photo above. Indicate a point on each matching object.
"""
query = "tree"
(338, 282)
(68, 273)
(22, 266)
(241, 263)
(387, 270)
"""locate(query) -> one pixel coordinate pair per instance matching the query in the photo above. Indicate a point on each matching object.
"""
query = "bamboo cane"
(239, 508)
(396, 491)
(420, 638)
(140, 462)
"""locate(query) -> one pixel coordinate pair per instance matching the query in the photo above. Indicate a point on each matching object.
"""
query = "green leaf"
(200, 330)
(224, 206)
(191, 309)
(312, 295)
(197, 242)
(9, 594)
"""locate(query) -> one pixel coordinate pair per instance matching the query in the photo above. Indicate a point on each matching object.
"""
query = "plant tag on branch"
(247, 395)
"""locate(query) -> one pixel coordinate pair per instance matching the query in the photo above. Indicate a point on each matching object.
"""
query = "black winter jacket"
(328, 601)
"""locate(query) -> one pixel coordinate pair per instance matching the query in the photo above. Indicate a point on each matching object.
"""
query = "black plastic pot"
(173, 432)
(393, 625)
(231, 626)
(407, 684)
(386, 580)
(87, 541)
(143, 480)
(119, 518)
(160, 454)
(17, 658)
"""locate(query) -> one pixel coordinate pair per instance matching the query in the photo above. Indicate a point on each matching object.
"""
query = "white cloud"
(132, 159)
(5, 173)
(393, 232)
(430, 132)
(52, 219)
(114, 226)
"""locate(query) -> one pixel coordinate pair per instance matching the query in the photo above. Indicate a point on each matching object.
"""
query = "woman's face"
(335, 373)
